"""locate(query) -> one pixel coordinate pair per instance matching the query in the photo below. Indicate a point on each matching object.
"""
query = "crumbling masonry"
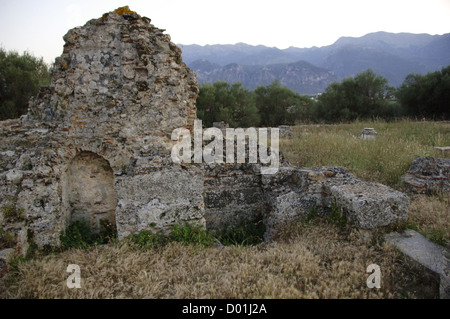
(96, 145)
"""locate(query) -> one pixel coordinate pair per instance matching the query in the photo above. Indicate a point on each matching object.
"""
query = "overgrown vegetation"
(21, 76)
(13, 214)
(185, 234)
(382, 160)
(80, 235)
(429, 215)
(244, 234)
(385, 160)
(337, 217)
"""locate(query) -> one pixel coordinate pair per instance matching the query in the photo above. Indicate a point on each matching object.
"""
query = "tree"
(206, 104)
(364, 96)
(427, 95)
(278, 105)
(271, 105)
(21, 76)
(244, 111)
(233, 104)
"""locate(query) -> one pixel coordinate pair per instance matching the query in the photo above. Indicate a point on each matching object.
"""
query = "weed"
(186, 234)
(80, 235)
(13, 214)
(337, 216)
(313, 214)
(147, 239)
(243, 234)
(189, 234)
(108, 231)
(7, 240)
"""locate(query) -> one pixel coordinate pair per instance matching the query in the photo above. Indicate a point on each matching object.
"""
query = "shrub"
(189, 234)
(147, 239)
(244, 234)
(80, 235)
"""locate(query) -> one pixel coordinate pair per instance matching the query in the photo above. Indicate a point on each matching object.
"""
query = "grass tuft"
(244, 234)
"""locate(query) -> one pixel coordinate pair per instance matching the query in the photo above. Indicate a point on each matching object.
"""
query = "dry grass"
(430, 215)
(307, 260)
(383, 160)
(312, 259)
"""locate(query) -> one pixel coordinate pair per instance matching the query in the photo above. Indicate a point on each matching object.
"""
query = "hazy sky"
(39, 25)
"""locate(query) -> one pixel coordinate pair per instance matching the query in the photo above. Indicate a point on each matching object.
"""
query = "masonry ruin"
(96, 145)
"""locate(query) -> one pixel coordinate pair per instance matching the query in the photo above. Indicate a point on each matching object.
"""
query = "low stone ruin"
(96, 145)
(369, 133)
(428, 175)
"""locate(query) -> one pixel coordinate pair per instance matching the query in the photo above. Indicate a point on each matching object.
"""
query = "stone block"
(428, 175)
(426, 253)
(369, 133)
(371, 205)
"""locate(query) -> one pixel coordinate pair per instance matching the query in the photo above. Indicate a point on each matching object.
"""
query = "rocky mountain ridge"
(311, 70)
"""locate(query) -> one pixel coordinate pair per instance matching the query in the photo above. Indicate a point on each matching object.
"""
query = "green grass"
(245, 234)
(185, 234)
(337, 217)
(80, 235)
(383, 160)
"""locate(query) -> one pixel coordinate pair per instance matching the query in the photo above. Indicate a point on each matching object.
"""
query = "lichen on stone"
(123, 10)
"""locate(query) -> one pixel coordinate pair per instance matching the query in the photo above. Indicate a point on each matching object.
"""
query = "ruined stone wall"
(96, 145)
(233, 194)
(294, 192)
(118, 91)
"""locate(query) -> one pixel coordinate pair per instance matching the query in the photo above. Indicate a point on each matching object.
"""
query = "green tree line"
(270, 105)
(365, 96)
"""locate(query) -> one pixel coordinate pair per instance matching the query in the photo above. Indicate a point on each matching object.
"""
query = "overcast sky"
(39, 25)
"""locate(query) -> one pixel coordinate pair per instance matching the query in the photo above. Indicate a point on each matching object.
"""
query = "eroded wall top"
(118, 77)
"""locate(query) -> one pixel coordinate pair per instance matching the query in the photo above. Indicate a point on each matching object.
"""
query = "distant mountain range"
(311, 70)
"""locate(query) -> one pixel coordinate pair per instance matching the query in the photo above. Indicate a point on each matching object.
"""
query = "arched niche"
(88, 191)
